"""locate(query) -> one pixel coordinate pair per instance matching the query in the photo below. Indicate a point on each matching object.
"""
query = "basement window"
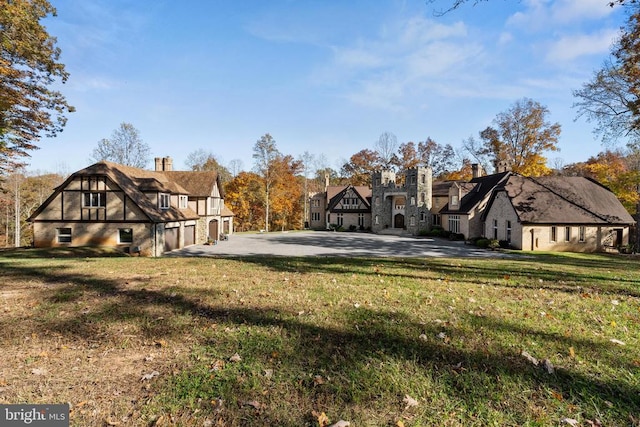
(125, 235)
(64, 235)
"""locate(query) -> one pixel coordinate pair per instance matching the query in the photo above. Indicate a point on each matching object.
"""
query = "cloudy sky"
(327, 77)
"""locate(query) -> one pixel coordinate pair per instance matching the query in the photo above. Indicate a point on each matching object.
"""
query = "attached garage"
(189, 235)
(171, 239)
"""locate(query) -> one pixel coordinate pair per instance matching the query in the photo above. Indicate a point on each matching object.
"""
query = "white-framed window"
(454, 223)
(340, 219)
(183, 202)
(413, 201)
(361, 219)
(164, 201)
(582, 234)
(567, 234)
(376, 220)
(94, 200)
(454, 200)
(509, 231)
(125, 235)
(554, 234)
(64, 234)
(412, 220)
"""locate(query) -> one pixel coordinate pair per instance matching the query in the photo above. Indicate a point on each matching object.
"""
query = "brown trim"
(93, 221)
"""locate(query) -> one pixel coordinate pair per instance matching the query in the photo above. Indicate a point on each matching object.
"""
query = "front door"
(398, 221)
(214, 233)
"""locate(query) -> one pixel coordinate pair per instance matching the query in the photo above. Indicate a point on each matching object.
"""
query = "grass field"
(539, 340)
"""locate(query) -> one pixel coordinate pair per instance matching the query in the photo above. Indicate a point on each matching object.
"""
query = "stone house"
(137, 210)
(555, 213)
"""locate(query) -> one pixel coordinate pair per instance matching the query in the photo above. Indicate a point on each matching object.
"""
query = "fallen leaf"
(160, 343)
(615, 341)
(572, 353)
(318, 380)
(235, 358)
(423, 337)
(410, 401)
(529, 357)
(217, 365)
(341, 423)
(38, 371)
(253, 403)
(268, 373)
(400, 423)
(442, 335)
(556, 395)
(321, 417)
(569, 421)
(149, 376)
(111, 423)
(548, 366)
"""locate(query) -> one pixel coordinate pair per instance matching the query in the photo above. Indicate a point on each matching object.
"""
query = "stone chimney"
(163, 164)
(476, 170)
(326, 182)
(503, 166)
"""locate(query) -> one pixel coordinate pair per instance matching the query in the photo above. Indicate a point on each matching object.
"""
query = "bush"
(494, 244)
(482, 243)
(504, 244)
(352, 227)
(456, 236)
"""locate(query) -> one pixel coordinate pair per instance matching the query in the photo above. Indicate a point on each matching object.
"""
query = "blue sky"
(327, 77)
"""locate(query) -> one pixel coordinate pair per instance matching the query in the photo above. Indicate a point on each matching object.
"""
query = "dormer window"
(183, 202)
(454, 200)
(164, 201)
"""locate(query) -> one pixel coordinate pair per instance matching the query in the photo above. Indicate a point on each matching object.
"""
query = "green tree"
(29, 66)
(125, 147)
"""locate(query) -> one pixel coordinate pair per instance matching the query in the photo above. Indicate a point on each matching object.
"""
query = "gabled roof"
(133, 182)
(336, 193)
(441, 188)
(197, 183)
(564, 200)
(475, 191)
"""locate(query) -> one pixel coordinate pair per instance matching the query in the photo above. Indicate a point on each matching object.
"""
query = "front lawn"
(544, 339)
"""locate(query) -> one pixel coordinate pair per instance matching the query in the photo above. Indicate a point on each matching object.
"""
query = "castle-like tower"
(402, 202)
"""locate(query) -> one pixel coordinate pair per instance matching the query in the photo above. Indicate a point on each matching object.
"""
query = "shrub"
(494, 244)
(482, 243)
(352, 227)
(456, 236)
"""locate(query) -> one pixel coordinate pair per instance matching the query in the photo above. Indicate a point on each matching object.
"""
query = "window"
(509, 231)
(413, 179)
(554, 233)
(125, 235)
(377, 220)
(413, 201)
(340, 219)
(94, 200)
(377, 201)
(184, 202)
(567, 234)
(412, 220)
(346, 201)
(315, 203)
(165, 202)
(361, 220)
(423, 217)
(422, 178)
(495, 229)
(454, 200)
(582, 233)
(315, 216)
(64, 235)
(436, 219)
(422, 198)
(454, 223)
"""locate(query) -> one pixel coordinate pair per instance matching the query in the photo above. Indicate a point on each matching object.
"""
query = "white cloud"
(572, 10)
(568, 48)
(540, 15)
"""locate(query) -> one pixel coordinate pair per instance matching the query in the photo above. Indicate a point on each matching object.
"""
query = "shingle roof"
(199, 184)
(335, 194)
(475, 191)
(564, 200)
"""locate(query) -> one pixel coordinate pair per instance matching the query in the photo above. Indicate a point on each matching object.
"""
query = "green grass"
(351, 338)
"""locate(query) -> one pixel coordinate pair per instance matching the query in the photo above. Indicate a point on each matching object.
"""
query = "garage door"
(189, 235)
(171, 238)
(213, 230)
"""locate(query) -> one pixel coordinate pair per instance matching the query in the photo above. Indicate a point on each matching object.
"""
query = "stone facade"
(402, 203)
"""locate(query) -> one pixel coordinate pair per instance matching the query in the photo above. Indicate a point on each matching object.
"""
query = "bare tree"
(124, 147)
(235, 167)
(265, 155)
(386, 146)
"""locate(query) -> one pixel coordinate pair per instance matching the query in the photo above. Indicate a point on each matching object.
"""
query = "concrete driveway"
(327, 243)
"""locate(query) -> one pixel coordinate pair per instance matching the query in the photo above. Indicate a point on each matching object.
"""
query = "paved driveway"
(327, 243)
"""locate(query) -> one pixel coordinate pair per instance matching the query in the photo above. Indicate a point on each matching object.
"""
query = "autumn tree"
(440, 158)
(408, 156)
(201, 160)
(244, 196)
(521, 137)
(125, 147)
(29, 67)
(360, 166)
(287, 194)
